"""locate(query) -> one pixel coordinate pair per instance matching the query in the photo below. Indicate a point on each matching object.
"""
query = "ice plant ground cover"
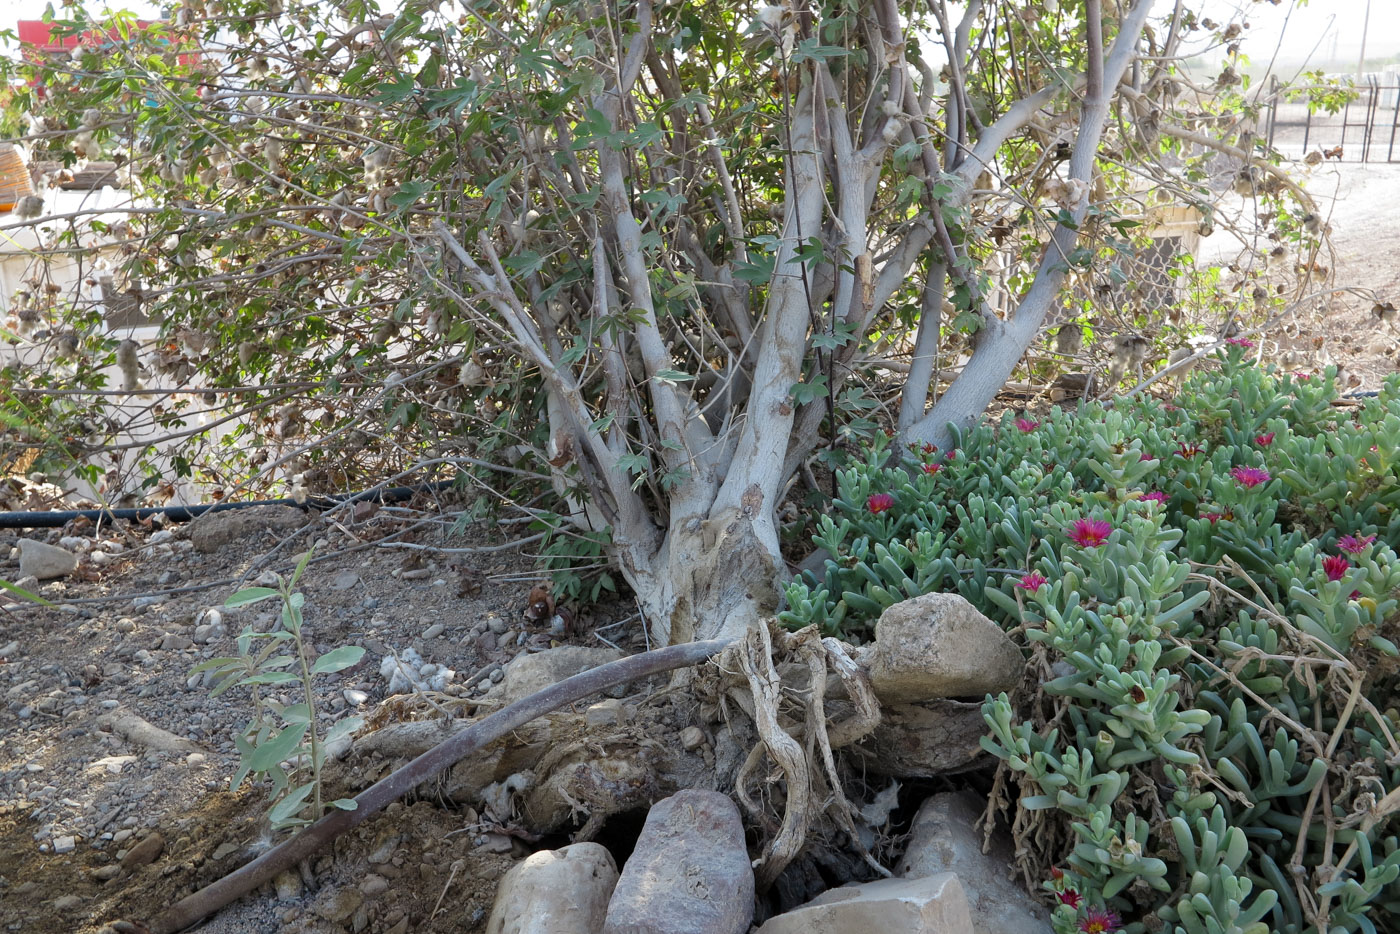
(1206, 737)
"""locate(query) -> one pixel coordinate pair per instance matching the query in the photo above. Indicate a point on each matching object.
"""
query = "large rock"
(215, 530)
(689, 873)
(938, 645)
(527, 674)
(562, 891)
(925, 740)
(945, 838)
(43, 561)
(933, 905)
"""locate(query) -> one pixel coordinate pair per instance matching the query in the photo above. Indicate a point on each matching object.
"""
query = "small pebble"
(417, 574)
(64, 844)
(354, 697)
(432, 632)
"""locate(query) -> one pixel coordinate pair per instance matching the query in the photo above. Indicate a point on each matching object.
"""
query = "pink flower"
(1355, 544)
(1301, 376)
(1100, 921)
(1265, 439)
(1156, 496)
(1032, 581)
(1242, 342)
(931, 469)
(1071, 898)
(1250, 477)
(1214, 517)
(1144, 456)
(1336, 567)
(930, 448)
(1187, 450)
(1027, 425)
(1354, 595)
(879, 502)
(1089, 533)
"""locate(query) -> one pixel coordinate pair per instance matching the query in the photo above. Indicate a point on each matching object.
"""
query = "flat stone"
(924, 740)
(607, 712)
(287, 884)
(945, 837)
(344, 580)
(931, 905)
(43, 561)
(692, 738)
(144, 853)
(215, 530)
(562, 891)
(938, 645)
(527, 674)
(64, 844)
(689, 872)
(336, 905)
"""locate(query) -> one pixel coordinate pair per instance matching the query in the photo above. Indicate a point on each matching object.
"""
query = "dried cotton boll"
(28, 207)
(91, 118)
(209, 176)
(129, 362)
(471, 374)
(246, 351)
(272, 150)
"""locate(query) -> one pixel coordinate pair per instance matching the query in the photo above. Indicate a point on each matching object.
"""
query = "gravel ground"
(100, 821)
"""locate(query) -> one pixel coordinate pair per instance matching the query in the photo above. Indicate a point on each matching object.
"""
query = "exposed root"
(795, 736)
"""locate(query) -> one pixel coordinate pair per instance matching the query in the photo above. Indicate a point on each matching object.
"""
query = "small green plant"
(281, 742)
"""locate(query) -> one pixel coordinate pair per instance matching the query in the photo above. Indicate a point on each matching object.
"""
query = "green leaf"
(345, 804)
(271, 677)
(251, 595)
(291, 804)
(343, 727)
(673, 376)
(803, 393)
(21, 592)
(278, 748)
(338, 659)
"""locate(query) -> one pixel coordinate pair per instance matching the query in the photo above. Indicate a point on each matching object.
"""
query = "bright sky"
(1321, 25)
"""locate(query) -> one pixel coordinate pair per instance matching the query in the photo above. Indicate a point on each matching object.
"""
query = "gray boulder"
(43, 561)
(939, 645)
(562, 891)
(689, 873)
(932, 905)
(946, 838)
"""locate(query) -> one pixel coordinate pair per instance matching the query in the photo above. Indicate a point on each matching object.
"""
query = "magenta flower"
(1336, 567)
(930, 448)
(879, 502)
(1250, 477)
(1026, 425)
(1241, 342)
(931, 469)
(1156, 496)
(1214, 517)
(1032, 581)
(1355, 544)
(1100, 921)
(1071, 898)
(1144, 456)
(1302, 376)
(1187, 450)
(1265, 439)
(1089, 533)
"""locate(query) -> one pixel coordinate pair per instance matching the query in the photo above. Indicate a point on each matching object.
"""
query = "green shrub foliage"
(1205, 740)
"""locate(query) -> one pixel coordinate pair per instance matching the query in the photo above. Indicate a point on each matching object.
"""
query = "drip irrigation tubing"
(48, 520)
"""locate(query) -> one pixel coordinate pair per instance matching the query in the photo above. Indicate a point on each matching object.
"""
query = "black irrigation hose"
(47, 520)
